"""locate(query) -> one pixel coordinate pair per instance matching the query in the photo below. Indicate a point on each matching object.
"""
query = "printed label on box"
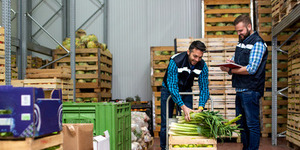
(25, 100)
(6, 121)
(25, 116)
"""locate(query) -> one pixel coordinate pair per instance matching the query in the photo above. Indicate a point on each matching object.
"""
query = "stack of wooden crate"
(221, 92)
(93, 73)
(293, 124)
(219, 16)
(160, 57)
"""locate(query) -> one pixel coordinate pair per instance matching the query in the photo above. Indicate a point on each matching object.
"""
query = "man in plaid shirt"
(251, 53)
(179, 77)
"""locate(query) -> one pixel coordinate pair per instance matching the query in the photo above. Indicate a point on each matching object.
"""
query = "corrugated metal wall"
(133, 27)
(136, 25)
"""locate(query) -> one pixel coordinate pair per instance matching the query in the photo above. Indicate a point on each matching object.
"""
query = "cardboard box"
(78, 136)
(26, 113)
(101, 142)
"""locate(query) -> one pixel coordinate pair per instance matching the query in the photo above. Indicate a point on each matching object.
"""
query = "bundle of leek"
(207, 123)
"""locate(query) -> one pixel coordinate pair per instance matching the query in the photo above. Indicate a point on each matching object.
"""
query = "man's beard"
(245, 36)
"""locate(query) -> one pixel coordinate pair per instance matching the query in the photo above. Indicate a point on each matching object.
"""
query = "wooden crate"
(106, 75)
(214, 16)
(160, 57)
(294, 49)
(84, 57)
(96, 65)
(36, 62)
(33, 143)
(59, 72)
(178, 140)
(293, 121)
(264, 22)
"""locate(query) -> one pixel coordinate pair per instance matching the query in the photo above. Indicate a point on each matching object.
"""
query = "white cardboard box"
(101, 142)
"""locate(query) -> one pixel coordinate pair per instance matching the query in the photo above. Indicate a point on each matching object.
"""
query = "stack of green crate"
(114, 117)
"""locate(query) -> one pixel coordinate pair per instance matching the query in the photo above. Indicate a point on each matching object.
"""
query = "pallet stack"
(221, 91)
(160, 57)
(265, 9)
(219, 17)
(93, 73)
(281, 8)
(293, 124)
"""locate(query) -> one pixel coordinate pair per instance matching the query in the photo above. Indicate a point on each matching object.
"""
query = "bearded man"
(251, 53)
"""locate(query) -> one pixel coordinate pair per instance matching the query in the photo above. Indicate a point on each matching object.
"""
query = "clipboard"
(230, 65)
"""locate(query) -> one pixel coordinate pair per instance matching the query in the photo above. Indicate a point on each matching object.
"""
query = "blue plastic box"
(28, 113)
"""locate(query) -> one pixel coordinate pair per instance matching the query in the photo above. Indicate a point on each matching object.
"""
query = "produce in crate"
(207, 123)
(83, 41)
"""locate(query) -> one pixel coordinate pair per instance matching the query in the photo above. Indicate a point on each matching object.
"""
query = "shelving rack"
(23, 42)
(289, 20)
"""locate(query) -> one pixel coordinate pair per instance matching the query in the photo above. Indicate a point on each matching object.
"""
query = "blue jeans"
(247, 104)
(187, 100)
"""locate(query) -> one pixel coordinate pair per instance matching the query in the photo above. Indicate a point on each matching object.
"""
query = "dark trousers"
(247, 104)
(187, 100)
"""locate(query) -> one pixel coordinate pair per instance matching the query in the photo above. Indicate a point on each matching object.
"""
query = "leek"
(207, 123)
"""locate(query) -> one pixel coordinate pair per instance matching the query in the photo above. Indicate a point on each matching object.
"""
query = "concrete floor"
(265, 144)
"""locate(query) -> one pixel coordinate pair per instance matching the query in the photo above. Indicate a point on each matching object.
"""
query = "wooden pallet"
(294, 49)
(293, 121)
(66, 85)
(293, 136)
(214, 15)
(286, 7)
(33, 143)
(177, 140)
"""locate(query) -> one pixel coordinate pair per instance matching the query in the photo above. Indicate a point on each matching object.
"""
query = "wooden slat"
(223, 11)
(218, 2)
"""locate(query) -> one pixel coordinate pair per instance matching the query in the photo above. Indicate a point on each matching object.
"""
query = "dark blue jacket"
(255, 82)
(186, 75)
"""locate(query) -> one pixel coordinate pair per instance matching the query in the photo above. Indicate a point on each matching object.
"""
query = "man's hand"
(226, 69)
(186, 111)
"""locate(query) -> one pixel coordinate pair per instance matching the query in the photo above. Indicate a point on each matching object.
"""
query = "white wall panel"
(136, 25)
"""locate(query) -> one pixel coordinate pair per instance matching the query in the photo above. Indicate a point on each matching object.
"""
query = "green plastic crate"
(114, 117)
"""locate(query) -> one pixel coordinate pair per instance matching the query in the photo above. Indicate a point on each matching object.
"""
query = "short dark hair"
(198, 45)
(242, 18)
